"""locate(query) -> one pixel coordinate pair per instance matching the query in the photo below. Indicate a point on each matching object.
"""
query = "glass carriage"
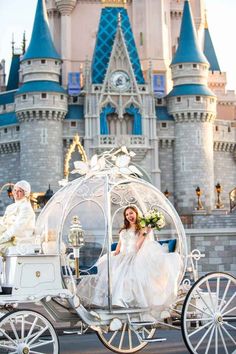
(79, 225)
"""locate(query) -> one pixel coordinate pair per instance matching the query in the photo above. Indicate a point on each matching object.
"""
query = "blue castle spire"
(41, 44)
(13, 80)
(105, 40)
(209, 51)
(188, 50)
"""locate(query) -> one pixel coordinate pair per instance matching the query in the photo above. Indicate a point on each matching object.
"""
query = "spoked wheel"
(128, 339)
(209, 315)
(27, 332)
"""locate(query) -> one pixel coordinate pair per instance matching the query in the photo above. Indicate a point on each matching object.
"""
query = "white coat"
(18, 221)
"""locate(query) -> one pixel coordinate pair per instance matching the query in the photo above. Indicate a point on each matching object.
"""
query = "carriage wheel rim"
(128, 333)
(26, 331)
(213, 322)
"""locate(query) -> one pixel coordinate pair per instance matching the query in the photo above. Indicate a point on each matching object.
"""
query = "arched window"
(117, 126)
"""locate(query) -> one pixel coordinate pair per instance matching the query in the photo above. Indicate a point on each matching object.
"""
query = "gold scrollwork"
(75, 143)
(114, 3)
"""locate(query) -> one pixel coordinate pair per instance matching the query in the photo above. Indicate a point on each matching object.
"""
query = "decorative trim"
(10, 147)
(184, 117)
(114, 3)
(225, 146)
(166, 143)
(28, 116)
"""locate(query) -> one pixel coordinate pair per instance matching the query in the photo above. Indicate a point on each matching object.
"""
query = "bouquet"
(153, 219)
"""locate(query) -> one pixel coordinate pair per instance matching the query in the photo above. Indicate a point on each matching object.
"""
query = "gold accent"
(206, 23)
(38, 274)
(72, 148)
(14, 240)
(26, 350)
(114, 3)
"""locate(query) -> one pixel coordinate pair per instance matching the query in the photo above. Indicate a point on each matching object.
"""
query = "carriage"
(75, 229)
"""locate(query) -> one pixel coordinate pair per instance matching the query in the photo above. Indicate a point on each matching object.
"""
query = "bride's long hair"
(127, 223)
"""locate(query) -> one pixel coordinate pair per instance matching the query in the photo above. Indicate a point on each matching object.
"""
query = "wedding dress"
(146, 278)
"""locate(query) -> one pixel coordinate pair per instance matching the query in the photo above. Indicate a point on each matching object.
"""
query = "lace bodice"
(128, 241)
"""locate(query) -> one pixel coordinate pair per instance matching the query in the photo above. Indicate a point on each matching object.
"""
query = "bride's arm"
(117, 251)
(142, 235)
(140, 241)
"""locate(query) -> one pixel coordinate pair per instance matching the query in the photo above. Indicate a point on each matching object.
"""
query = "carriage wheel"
(26, 331)
(209, 315)
(128, 339)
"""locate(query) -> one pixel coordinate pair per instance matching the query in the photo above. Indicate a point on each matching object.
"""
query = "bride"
(142, 273)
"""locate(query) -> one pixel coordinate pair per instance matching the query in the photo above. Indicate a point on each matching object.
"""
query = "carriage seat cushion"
(113, 246)
(171, 244)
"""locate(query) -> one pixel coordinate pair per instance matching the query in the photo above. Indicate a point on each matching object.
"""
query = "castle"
(121, 72)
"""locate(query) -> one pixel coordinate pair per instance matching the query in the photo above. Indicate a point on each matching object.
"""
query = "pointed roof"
(41, 44)
(7, 97)
(8, 118)
(190, 90)
(40, 86)
(13, 79)
(188, 50)
(105, 40)
(209, 50)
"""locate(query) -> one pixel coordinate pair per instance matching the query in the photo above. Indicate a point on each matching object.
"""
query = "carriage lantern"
(76, 240)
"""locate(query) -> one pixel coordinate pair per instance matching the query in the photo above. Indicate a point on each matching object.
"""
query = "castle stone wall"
(9, 172)
(10, 167)
(193, 164)
(225, 173)
(219, 247)
(166, 167)
(42, 153)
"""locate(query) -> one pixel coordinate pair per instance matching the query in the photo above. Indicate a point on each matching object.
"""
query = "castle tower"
(41, 105)
(216, 78)
(151, 20)
(193, 107)
(66, 7)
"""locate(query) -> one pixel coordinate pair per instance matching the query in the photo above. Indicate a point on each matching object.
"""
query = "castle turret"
(216, 78)
(41, 105)
(66, 7)
(193, 106)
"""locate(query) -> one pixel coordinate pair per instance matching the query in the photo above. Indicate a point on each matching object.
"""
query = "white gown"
(147, 278)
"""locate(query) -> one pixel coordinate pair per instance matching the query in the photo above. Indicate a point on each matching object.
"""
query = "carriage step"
(153, 340)
(72, 332)
(144, 323)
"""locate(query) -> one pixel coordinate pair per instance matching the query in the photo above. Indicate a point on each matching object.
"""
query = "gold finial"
(206, 24)
(114, 3)
(13, 44)
(23, 43)
(119, 19)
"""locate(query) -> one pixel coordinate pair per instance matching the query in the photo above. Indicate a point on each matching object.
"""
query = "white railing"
(127, 140)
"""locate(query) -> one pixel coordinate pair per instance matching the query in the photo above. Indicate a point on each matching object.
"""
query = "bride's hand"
(146, 230)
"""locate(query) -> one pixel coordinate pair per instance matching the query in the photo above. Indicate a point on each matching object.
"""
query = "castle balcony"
(35, 101)
(194, 106)
(137, 143)
(9, 147)
(9, 134)
(190, 73)
(41, 70)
